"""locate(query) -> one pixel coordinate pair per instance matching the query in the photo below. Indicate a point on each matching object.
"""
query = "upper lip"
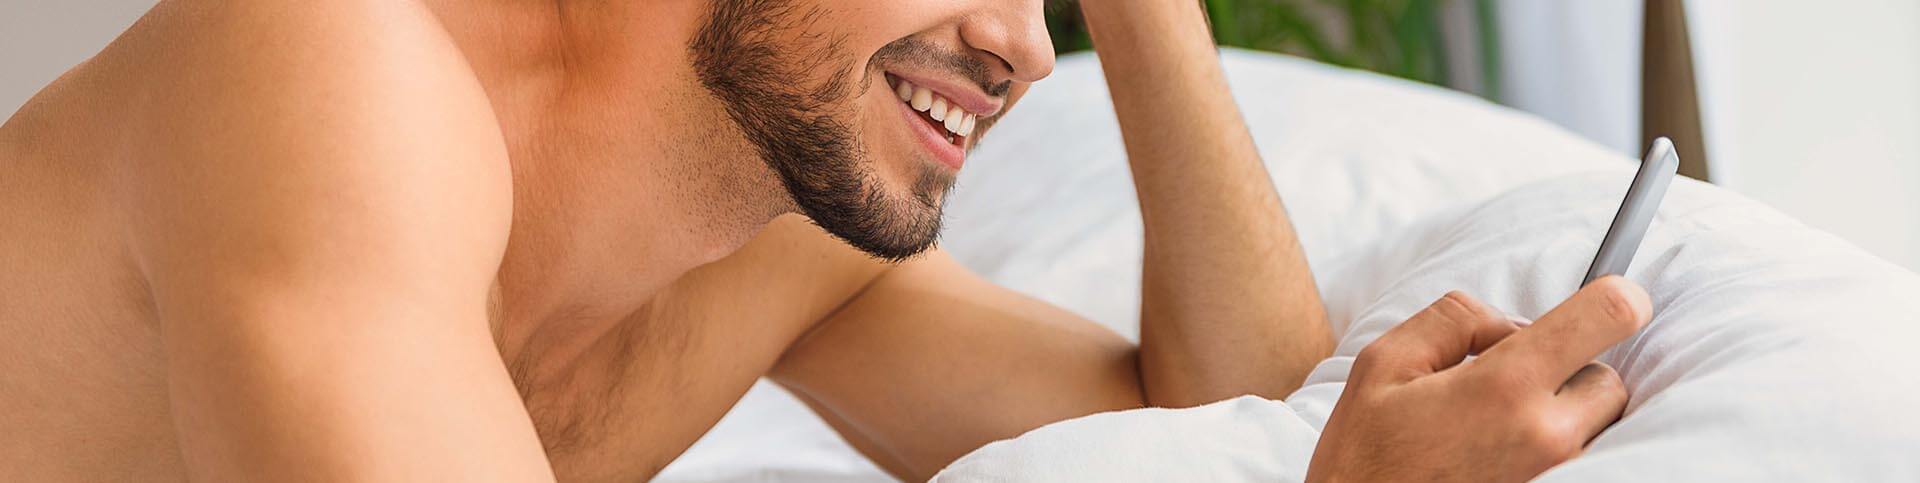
(967, 96)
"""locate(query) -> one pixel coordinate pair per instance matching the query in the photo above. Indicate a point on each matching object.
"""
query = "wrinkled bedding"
(1777, 352)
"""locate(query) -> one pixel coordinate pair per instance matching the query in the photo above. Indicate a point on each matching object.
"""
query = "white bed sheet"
(1364, 162)
(1777, 352)
(1057, 163)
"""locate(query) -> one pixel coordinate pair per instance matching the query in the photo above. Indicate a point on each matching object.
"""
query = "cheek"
(867, 25)
(891, 19)
(883, 134)
(893, 147)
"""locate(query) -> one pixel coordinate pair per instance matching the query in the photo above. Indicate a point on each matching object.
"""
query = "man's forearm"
(1228, 305)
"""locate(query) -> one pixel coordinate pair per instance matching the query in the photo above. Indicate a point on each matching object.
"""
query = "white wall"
(1576, 63)
(1812, 107)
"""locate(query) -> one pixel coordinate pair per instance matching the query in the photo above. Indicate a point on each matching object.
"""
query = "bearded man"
(516, 240)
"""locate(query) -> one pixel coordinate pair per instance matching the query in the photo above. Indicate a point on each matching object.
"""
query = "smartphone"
(1636, 212)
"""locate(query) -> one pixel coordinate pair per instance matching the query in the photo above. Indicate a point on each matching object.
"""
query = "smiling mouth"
(944, 116)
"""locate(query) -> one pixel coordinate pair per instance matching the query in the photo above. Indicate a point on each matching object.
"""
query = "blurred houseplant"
(1451, 43)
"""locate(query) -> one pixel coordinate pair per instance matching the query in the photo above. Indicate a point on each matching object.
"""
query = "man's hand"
(1413, 411)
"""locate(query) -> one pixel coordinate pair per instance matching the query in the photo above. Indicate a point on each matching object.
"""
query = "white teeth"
(905, 91)
(939, 109)
(954, 119)
(958, 121)
(922, 99)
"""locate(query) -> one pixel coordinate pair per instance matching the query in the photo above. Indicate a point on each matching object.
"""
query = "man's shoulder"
(358, 34)
(352, 127)
(360, 24)
(364, 94)
(352, 67)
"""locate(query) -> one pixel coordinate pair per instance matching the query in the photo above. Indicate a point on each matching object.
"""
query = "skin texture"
(1212, 219)
(475, 241)
(522, 241)
(1531, 400)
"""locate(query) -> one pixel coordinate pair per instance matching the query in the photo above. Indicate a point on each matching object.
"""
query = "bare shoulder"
(349, 133)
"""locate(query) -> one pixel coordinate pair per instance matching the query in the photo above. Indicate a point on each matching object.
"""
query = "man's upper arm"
(930, 361)
(319, 217)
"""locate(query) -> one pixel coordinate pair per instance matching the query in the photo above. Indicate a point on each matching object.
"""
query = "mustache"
(919, 52)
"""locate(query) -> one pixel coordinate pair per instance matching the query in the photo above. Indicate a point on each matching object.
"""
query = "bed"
(1777, 352)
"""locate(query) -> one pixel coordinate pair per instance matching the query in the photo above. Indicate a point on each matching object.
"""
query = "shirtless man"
(515, 240)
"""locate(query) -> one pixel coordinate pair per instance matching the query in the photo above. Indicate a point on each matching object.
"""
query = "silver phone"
(1636, 212)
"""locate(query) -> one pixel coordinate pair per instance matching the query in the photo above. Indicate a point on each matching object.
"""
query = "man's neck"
(623, 179)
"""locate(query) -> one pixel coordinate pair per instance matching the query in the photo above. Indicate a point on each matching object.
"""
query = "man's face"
(866, 109)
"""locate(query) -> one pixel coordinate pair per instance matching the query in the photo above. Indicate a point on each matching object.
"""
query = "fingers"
(1594, 398)
(1549, 352)
(1436, 338)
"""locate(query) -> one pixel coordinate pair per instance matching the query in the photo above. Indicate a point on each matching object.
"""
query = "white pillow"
(1046, 204)
(1777, 352)
(1370, 167)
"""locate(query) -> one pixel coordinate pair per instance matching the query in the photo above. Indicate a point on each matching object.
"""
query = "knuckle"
(1379, 352)
(1445, 316)
(1549, 438)
(1385, 361)
(1464, 313)
(1608, 379)
(1612, 391)
(1373, 351)
(1457, 304)
(1369, 356)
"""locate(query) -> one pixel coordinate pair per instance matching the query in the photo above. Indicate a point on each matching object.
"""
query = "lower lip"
(935, 140)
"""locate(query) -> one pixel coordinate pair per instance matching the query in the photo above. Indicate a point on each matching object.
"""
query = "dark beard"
(797, 130)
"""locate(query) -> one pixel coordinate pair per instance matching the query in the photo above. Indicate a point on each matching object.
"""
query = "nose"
(1015, 34)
